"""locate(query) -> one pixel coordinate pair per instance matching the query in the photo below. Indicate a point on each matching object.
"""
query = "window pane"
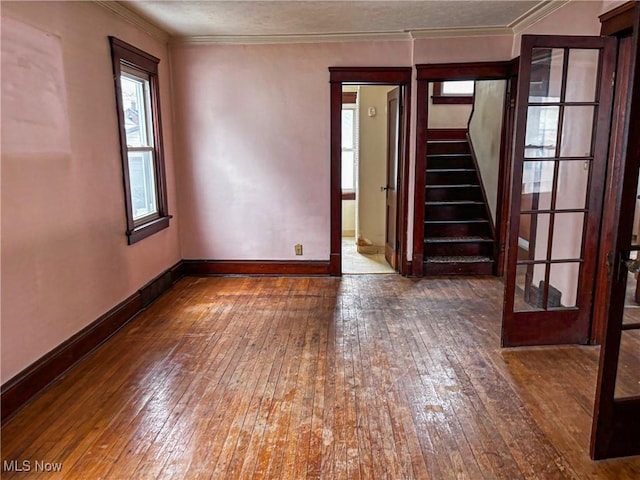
(143, 184)
(573, 179)
(563, 285)
(577, 131)
(542, 132)
(546, 75)
(347, 171)
(528, 294)
(458, 88)
(582, 75)
(135, 102)
(347, 128)
(533, 236)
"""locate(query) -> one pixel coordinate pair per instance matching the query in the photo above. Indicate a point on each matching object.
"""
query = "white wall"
(348, 218)
(372, 174)
(447, 115)
(485, 130)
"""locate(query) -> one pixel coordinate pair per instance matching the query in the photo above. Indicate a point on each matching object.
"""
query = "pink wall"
(573, 18)
(252, 138)
(65, 258)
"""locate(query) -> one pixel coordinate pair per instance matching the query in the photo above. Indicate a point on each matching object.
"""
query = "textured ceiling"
(278, 17)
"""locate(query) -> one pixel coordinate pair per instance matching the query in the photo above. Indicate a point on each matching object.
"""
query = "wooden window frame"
(440, 98)
(124, 54)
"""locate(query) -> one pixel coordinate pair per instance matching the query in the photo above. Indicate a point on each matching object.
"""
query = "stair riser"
(454, 212)
(451, 194)
(451, 178)
(447, 147)
(457, 230)
(482, 268)
(443, 161)
(484, 249)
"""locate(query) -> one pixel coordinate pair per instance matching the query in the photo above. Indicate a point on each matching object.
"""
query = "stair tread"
(452, 239)
(458, 259)
(450, 170)
(455, 185)
(470, 220)
(453, 202)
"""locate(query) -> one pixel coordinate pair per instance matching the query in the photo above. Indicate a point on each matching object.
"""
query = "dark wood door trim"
(400, 76)
(616, 421)
(452, 71)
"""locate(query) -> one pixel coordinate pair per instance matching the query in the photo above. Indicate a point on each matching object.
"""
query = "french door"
(559, 161)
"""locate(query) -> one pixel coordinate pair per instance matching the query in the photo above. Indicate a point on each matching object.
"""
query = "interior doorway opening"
(366, 177)
(370, 190)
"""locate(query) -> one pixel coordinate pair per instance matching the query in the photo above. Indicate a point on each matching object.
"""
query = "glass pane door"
(559, 164)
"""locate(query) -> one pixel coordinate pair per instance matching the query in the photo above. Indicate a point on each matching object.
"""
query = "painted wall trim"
(536, 14)
(289, 38)
(23, 387)
(256, 267)
(132, 17)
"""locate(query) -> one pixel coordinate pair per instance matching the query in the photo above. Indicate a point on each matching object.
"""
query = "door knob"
(384, 189)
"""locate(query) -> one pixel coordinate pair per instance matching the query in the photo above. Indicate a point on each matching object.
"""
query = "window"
(138, 105)
(453, 92)
(349, 147)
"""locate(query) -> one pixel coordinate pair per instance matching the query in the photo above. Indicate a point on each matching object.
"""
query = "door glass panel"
(567, 236)
(527, 296)
(537, 183)
(546, 75)
(628, 377)
(582, 75)
(563, 285)
(542, 132)
(573, 178)
(577, 127)
(534, 236)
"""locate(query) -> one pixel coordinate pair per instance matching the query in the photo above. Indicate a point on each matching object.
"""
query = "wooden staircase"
(458, 232)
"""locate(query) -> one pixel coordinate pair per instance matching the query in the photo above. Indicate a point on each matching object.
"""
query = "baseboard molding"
(255, 267)
(446, 134)
(18, 391)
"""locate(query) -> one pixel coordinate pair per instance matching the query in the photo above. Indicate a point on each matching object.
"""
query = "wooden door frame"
(398, 76)
(461, 71)
(616, 421)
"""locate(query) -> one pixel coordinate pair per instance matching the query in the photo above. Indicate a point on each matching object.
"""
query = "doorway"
(386, 190)
(459, 215)
(369, 177)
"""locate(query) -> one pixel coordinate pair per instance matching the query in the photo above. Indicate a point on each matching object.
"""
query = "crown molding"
(130, 16)
(535, 14)
(460, 32)
(285, 38)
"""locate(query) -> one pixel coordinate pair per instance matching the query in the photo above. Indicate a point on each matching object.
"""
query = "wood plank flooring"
(364, 377)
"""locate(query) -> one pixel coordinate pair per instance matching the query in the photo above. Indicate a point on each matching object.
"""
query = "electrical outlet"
(299, 249)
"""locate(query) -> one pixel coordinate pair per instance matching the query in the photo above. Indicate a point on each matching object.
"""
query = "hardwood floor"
(370, 377)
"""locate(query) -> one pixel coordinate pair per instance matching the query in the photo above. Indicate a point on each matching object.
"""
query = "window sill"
(143, 231)
(348, 195)
(452, 99)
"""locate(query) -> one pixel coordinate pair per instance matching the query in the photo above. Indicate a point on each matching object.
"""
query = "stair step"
(446, 193)
(458, 210)
(455, 185)
(469, 246)
(452, 177)
(473, 238)
(449, 161)
(447, 146)
(458, 259)
(458, 265)
(457, 228)
(450, 170)
(454, 202)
